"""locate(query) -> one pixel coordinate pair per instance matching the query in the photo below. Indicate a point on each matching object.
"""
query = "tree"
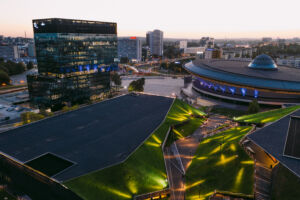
(30, 65)
(137, 85)
(3, 68)
(20, 67)
(164, 65)
(70, 108)
(115, 77)
(172, 52)
(14, 68)
(253, 107)
(4, 78)
(124, 60)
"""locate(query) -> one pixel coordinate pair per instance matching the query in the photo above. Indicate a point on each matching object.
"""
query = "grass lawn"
(184, 130)
(224, 168)
(268, 116)
(187, 129)
(228, 112)
(143, 172)
(49, 164)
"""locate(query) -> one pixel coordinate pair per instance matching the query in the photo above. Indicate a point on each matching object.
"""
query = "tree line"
(10, 68)
(274, 51)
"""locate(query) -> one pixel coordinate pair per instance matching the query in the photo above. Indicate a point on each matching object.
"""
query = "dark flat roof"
(272, 139)
(241, 68)
(238, 73)
(93, 137)
(59, 25)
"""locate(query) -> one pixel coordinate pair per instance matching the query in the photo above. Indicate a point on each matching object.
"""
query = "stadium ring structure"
(242, 81)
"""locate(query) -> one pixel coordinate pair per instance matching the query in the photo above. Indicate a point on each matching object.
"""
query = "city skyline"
(191, 20)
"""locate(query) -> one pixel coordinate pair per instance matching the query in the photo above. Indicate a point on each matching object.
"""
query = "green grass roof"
(268, 116)
(143, 172)
(221, 164)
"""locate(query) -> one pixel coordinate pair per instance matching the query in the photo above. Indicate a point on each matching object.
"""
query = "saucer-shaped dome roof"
(264, 62)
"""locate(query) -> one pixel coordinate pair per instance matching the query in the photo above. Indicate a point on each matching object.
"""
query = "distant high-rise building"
(183, 44)
(207, 42)
(130, 47)
(146, 53)
(156, 42)
(267, 39)
(9, 52)
(281, 41)
(31, 50)
(148, 35)
(74, 59)
(194, 50)
(212, 54)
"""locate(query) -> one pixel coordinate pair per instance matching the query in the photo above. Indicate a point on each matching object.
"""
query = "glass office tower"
(130, 48)
(74, 58)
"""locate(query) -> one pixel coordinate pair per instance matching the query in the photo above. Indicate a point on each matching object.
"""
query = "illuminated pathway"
(187, 148)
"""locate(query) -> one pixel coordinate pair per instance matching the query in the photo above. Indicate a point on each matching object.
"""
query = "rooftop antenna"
(25, 34)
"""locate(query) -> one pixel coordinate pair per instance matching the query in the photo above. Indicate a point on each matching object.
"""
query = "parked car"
(10, 109)
(19, 109)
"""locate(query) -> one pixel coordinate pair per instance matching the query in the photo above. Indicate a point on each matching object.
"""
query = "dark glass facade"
(74, 59)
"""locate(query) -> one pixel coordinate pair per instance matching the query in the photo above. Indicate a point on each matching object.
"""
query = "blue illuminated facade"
(240, 83)
(263, 62)
(74, 58)
(225, 89)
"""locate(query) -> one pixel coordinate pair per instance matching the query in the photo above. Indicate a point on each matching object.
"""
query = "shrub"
(4, 78)
(29, 117)
(137, 85)
(253, 107)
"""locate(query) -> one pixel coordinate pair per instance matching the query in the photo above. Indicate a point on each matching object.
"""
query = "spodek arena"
(242, 81)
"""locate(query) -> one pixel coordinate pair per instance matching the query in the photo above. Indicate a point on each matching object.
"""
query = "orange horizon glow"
(190, 36)
(178, 19)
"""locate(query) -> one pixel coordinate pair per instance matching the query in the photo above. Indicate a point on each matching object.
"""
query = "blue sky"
(177, 18)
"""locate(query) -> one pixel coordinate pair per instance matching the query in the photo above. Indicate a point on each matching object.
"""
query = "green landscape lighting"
(161, 181)
(233, 138)
(232, 147)
(194, 184)
(224, 160)
(206, 141)
(230, 170)
(215, 150)
(239, 178)
(132, 186)
(156, 139)
(201, 158)
(178, 133)
(145, 167)
(181, 118)
(248, 162)
(116, 192)
(152, 144)
(201, 197)
(268, 116)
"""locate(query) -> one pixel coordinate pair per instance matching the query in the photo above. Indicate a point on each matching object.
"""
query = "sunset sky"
(177, 18)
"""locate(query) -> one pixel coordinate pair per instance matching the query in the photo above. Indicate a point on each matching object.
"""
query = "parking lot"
(8, 108)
